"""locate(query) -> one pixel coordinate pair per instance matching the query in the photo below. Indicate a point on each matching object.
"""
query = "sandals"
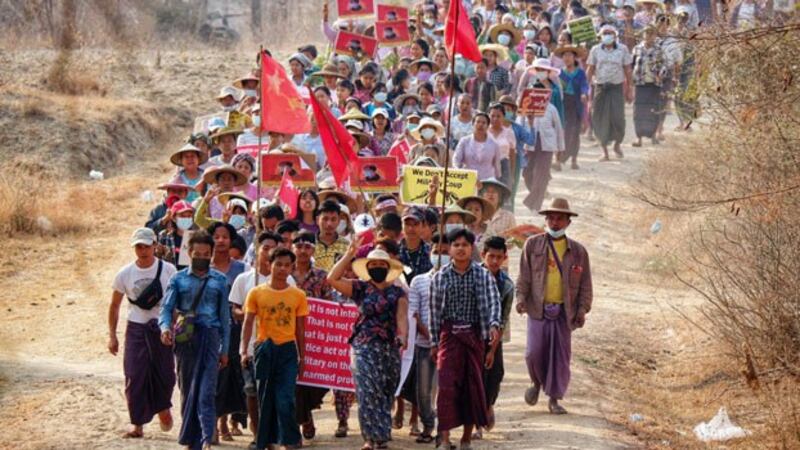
(227, 437)
(424, 438)
(236, 432)
(309, 431)
(381, 445)
(367, 446)
(397, 422)
(532, 395)
(132, 435)
(477, 435)
(556, 409)
(341, 431)
(636, 144)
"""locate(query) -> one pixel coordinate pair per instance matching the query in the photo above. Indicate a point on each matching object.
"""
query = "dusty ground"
(62, 389)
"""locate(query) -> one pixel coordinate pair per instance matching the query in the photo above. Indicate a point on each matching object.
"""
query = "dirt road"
(61, 389)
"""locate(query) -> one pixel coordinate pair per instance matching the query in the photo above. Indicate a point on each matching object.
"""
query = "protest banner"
(201, 122)
(407, 355)
(327, 358)
(351, 9)
(238, 120)
(533, 102)
(390, 13)
(414, 190)
(355, 45)
(392, 34)
(375, 174)
(582, 31)
(274, 164)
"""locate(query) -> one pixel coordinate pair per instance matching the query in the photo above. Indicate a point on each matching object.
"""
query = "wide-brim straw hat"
(507, 100)
(328, 70)
(415, 65)
(360, 265)
(486, 207)
(544, 64)
(229, 90)
(225, 197)
(428, 122)
(558, 205)
(240, 82)
(580, 52)
(505, 191)
(175, 158)
(353, 114)
(223, 131)
(455, 209)
(341, 197)
(500, 50)
(398, 102)
(516, 35)
(211, 174)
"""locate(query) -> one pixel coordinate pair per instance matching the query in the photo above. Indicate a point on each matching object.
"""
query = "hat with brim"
(398, 102)
(174, 184)
(415, 65)
(507, 100)
(467, 216)
(658, 3)
(558, 205)
(428, 122)
(229, 91)
(505, 191)
(353, 114)
(544, 64)
(380, 112)
(341, 197)
(225, 131)
(355, 128)
(302, 59)
(239, 84)
(328, 70)
(360, 265)
(495, 31)
(579, 52)
(499, 50)
(175, 158)
(486, 207)
(211, 175)
(225, 197)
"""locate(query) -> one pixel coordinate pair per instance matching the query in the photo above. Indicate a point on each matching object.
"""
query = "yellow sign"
(416, 179)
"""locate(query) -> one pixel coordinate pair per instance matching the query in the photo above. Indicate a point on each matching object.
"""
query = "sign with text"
(375, 174)
(582, 31)
(416, 179)
(327, 358)
(275, 164)
(392, 34)
(533, 102)
(390, 13)
(355, 45)
(349, 9)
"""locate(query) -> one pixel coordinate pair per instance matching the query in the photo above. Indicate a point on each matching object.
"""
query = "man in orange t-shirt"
(281, 310)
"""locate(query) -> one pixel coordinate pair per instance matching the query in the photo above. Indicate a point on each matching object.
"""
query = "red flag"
(459, 36)
(400, 151)
(337, 142)
(288, 193)
(282, 108)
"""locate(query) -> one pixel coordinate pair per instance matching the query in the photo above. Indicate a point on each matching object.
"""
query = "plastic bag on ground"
(720, 428)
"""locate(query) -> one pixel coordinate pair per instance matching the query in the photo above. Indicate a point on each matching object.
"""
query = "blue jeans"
(198, 367)
(426, 370)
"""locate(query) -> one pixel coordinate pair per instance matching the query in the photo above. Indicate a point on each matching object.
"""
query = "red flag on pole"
(459, 36)
(283, 110)
(288, 193)
(337, 142)
(400, 150)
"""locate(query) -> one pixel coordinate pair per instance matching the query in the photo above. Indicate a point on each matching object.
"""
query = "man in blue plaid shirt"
(465, 314)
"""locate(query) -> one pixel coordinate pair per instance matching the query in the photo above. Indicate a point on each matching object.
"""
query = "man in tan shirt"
(555, 289)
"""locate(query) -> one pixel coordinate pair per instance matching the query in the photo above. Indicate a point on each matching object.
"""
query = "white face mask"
(250, 93)
(427, 133)
(556, 234)
(529, 34)
(341, 228)
(380, 97)
(237, 221)
(435, 259)
(608, 39)
(184, 223)
(256, 121)
(448, 227)
(504, 39)
(229, 108)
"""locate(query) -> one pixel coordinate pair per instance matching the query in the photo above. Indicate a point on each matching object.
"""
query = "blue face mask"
(509, 116)
(448, 227)
(435, 259)
(504, 39)
(556, 234)
(529, 34)
(412, 126)
(380, 97)
(184, 223)
(237, 221)
(256, 121)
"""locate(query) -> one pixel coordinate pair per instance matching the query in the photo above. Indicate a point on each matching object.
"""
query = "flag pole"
(454, 4)
(258, 158)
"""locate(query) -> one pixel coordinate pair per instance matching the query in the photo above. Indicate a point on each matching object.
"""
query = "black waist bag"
(151, 295)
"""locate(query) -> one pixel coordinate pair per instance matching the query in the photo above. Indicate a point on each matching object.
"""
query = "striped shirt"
(419, 301)
(468, 298)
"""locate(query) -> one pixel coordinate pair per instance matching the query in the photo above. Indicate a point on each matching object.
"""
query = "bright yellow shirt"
(554, 289)
(276, 312)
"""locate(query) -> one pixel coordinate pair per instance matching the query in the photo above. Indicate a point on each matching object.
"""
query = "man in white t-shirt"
(149, 367)
(266, 241)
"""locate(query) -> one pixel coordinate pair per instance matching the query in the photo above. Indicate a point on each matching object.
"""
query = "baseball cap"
(237, 202)
(414, 212)
(181, 206)
(144, 236)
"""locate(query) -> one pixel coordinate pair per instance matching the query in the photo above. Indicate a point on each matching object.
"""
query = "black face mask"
(378, 274)
(200, 264)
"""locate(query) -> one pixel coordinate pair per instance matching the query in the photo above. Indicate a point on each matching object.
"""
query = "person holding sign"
(380, 331)
(281, 310)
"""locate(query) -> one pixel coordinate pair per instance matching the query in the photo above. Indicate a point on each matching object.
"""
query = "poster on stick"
(351, 9)
(460, 183)
(392, 34)
(390, 13)
(327, 358)
(355, 45)
(275, 164)
(582, 31)
(533, 102)
(375, 174)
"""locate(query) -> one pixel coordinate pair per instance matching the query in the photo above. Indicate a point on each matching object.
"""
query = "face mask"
(380, 97)
(378, 274)
(256, 121)
(429, 22)
(184, 223)
(408, 109)
(423, 76)
(250, 93)
(229, 108)
(200, 264)
(435, 259)
(509, 116)
(448, 227)
(504, 39)
(342, 227)
(608, 39)
(427, 133)
(529, 34)
(412, 126)
(237, 221)
(556, 234)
